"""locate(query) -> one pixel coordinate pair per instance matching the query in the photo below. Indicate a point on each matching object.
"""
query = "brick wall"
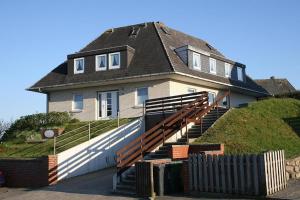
(35, 172)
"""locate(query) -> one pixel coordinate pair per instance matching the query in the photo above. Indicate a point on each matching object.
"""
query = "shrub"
(36, 121)
(3, 127)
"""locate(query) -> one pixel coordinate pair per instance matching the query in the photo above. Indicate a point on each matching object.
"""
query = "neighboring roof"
(154, 47)
(276, 86)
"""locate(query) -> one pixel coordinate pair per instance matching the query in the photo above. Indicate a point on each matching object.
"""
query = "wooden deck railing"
(157, 135)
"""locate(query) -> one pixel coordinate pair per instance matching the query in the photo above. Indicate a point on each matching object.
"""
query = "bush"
(295, 95)
(36, 121)
(3, 127)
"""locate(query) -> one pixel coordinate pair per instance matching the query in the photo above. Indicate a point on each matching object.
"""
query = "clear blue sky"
(36, 36)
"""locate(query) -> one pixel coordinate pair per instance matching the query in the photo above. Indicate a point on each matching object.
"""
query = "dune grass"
(260, 127)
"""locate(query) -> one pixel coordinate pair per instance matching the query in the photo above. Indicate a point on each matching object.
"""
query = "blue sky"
(36, 36)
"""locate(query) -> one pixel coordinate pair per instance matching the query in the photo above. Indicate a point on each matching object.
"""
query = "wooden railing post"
(163, 130)
(186, 132)
(181, 118)
(142, 157)
(201, 125)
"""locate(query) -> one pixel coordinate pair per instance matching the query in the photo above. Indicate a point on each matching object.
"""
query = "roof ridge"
(121, 27)
(164, 47)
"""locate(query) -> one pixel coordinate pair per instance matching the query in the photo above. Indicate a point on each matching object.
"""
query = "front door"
(108, 104)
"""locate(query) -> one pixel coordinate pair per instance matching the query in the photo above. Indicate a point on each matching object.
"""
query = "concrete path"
(291, 192)
(91, 186)
(98, 186)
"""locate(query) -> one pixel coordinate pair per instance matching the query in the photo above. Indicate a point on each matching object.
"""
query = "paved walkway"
(98, 186)
(91, 186)
(291, 192)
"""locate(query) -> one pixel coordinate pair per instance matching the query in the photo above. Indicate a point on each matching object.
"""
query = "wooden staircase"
(195, 110)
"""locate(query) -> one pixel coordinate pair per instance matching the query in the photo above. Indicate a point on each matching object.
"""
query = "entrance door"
(108, 104)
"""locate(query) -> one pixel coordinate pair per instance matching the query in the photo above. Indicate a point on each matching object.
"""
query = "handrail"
(157, 135)
(135, 150)
(213, 105)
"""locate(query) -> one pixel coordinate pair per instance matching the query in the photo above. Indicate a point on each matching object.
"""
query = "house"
(276, 86)
(125, 66)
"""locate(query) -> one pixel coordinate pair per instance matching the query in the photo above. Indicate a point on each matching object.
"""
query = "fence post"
(54, 144)
(118, 115)
(89, 130)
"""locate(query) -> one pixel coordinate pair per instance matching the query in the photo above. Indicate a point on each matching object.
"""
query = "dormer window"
(78, 65)
(240, 74)
(212, 66)
(196, 61)
(101, 62)
(228, 68)
(114, 60)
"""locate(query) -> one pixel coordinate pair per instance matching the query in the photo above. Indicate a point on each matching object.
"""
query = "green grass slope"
(18, 148)
(260, 127)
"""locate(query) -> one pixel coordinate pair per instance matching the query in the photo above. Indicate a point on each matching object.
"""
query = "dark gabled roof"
(154, 45)
(175, 39)
(276, 86)
(149, 57)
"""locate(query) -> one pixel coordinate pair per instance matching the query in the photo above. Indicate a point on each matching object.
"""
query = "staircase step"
(130, 177)
(157, 156)
(125, 192)
(126, 187)
(175, 143)
(126, 181)
(164, 148)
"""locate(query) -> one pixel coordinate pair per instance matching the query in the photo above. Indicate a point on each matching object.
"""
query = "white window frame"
(214, 96)
(228, 70)
(110, 60)
(192, 90)
(73, 103)
(136, 95)
(97, 62)
(197, 55)
(213, 62)
(240, 74)
(75, 68)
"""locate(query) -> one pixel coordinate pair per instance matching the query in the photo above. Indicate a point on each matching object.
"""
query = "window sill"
(76, 111)
(138, 106)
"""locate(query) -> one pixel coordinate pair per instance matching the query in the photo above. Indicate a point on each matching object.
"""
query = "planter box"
(51, 133)
(179, 152)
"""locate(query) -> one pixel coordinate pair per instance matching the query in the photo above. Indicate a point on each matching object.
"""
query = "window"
(196, 61)
(211, 97)
(78, 65)
(77, 102)
(212, 66)
(225, 101)
(240, 74)
(114, 60)
(101, 63)
(142, 95)
(191, 90)
(228, 68)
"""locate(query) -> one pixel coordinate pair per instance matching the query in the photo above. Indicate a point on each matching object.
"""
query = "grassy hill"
(260, 127)
(74, 135)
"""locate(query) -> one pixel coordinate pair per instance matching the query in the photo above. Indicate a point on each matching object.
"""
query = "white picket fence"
(262, 174)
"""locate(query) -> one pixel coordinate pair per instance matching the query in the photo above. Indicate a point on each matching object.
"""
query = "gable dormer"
(204, 61)
(100, 60)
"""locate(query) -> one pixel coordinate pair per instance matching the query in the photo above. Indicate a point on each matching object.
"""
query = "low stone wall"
(293, 168)
(31, 173)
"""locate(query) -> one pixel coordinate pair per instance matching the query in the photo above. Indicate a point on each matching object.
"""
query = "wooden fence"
(262, 174)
